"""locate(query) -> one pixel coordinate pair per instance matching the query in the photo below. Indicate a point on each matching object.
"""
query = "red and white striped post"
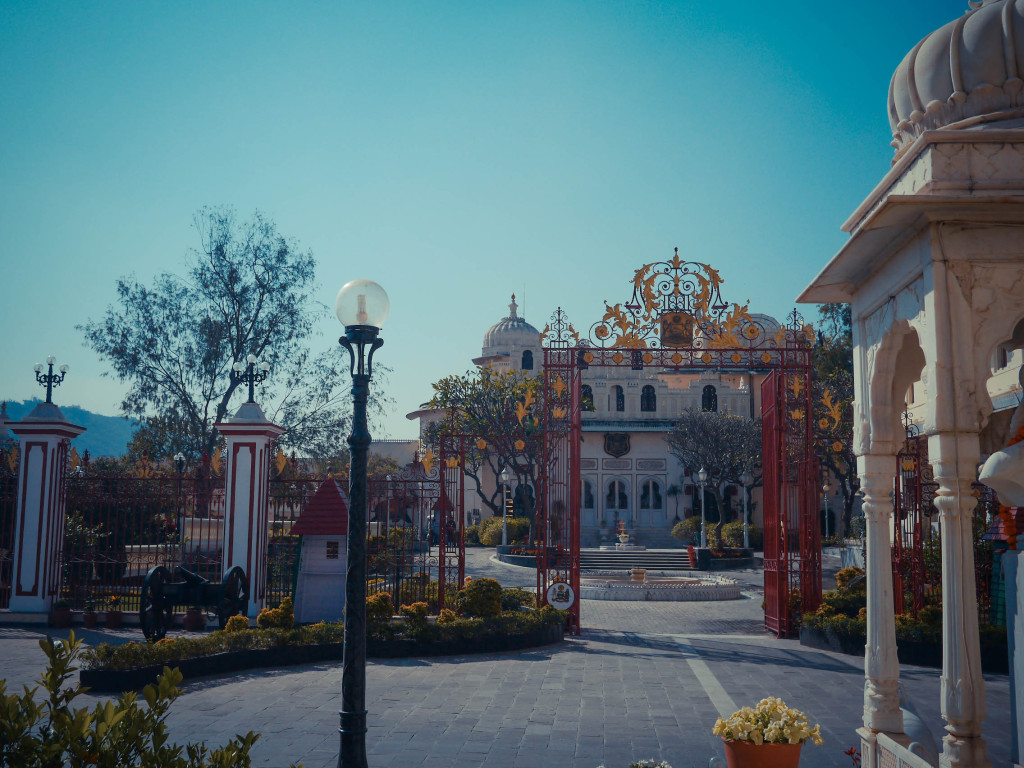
(249, 435)
(45, 438)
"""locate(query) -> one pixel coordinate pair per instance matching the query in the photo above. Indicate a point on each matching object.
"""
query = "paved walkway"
(644, 680)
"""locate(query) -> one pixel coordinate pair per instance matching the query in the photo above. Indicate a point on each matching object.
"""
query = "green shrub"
(846, 575)
(480, 598)
(473, 534)
(687, 530)
(514, 597)
(415, 613)
(38, 731)
(379, 608)
(282, 617)
(518, 530)
(446, 616)
(236, 623)
(732, 535)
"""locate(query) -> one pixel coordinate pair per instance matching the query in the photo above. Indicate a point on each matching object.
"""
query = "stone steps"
(652, 559)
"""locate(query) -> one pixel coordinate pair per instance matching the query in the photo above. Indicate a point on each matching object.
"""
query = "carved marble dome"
(509, 332)
(966, 73)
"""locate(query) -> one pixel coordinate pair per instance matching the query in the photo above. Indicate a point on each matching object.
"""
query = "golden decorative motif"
(648, 358)
(706, 357)
(766, 357)
(837, 446)
(797, 414)
(427, 461)
(908, 463)
(280, 461)
(736, 357)
(588, 357)
(617, 357)
(834, 409)
(519, 444)
(823, 423)
(559, 386)
(74, 458)
(217, 462)
(523, 408)
(677, 358)
(143, 468)
(452, 462)
(752, 332)
(481, 444)
(559, 413)
(796, 386)
(12, 459)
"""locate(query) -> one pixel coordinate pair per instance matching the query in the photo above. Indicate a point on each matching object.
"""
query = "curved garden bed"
(117, 680)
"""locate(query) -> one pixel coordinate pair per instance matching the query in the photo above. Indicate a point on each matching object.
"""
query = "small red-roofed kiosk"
(323, 546)
(45, 438)
(248, 434)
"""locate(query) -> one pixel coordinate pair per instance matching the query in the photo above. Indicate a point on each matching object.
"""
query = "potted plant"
(769, 735)
(113, 616)
(60, 614)
(195, 619)
(89, 616)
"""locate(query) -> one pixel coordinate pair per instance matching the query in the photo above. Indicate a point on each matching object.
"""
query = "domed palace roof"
(963, 74)
(512, 331)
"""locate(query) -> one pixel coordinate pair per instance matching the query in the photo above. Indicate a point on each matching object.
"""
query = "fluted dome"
(970, 69)
(509, 332)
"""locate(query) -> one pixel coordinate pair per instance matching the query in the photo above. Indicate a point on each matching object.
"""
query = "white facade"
(320, 586)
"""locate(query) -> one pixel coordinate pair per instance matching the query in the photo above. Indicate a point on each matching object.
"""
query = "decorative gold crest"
(427, 461)
(559, 386)
(558, 413)
(217, 462)
(676, 329)
(452, 462)
(616, 444)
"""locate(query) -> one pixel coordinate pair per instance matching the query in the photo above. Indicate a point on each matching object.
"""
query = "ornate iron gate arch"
(677, 320)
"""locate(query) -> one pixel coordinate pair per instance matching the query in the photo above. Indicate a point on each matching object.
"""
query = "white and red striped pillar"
(45, 437)
(249, 435)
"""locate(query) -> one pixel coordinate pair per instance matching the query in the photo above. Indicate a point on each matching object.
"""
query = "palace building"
(628, 475)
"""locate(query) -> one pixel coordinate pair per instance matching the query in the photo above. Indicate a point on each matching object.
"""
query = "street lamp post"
(362, 307)
(248, 374)
(504, 506)
(702, 480)
(826, 488)
(748, 480)
(179, 464)
(50, 379)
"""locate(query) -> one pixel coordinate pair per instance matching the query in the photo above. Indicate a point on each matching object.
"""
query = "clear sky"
(454, 152)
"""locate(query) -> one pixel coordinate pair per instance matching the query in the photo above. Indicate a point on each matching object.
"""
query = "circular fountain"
(640, 584)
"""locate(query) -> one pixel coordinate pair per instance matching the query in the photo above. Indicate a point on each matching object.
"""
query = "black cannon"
(160, 594)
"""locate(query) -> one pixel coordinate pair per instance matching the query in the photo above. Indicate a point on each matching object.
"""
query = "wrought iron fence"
(8, 502)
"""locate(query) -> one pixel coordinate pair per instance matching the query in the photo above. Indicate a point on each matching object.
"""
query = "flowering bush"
(770, 722)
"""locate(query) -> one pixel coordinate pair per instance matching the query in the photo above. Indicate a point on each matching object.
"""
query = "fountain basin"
(619, 585)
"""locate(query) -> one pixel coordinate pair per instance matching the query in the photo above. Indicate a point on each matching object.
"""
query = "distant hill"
(103, 436)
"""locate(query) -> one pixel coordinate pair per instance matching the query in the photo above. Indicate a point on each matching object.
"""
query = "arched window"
(617, 497)
(650, 495)
(527, 360)
(620, 398)
(648, 399)
(588, 495)
(586, 398)
(709, 400)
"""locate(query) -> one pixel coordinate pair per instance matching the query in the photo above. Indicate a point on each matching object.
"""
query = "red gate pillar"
(45, 437)
(249, 435)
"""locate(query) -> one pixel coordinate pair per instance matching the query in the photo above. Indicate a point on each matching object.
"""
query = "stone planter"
(60, 616)
(195, 620)
(90, 619)
(747, 754)
(112, 619)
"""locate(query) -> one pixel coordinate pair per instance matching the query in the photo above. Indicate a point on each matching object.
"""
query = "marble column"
(954, 458)
(45, 438)
(881, 664)
(249, 435)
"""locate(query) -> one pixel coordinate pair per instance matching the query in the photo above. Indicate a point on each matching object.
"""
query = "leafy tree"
(501, 408)
(724, 445)
(832, 391)
(248, 290)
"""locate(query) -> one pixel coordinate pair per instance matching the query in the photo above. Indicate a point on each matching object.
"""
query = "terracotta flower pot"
(60, 616)
(90, 619)
(112, 619)
(747, 754)
(195, 620)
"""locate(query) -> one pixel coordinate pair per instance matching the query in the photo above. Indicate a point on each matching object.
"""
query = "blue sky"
(454, 152)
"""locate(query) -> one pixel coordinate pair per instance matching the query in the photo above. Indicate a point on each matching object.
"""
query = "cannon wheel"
(155, 609)
(236, 596)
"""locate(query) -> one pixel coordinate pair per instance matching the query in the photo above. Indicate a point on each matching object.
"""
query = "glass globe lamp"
(362, 303)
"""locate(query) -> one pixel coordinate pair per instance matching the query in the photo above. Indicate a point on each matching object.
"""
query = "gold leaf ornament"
(217, 461)
(74, 458)
(559, 386)
(428, 461)
(280, 461)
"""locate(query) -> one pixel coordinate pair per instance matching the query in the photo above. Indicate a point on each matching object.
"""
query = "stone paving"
(644, 680)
